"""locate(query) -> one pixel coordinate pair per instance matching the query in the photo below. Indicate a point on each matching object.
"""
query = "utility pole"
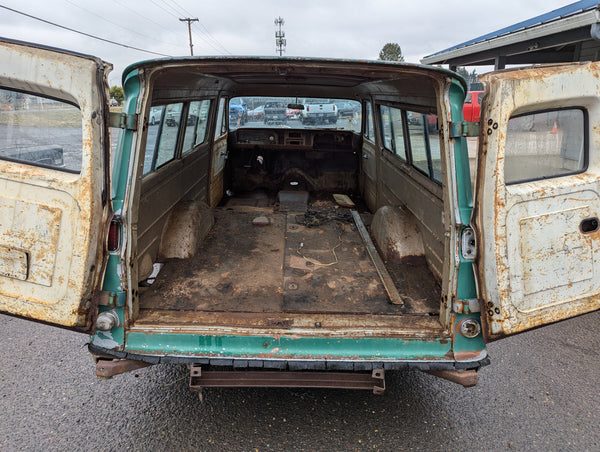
(189, 21)
(280, 36)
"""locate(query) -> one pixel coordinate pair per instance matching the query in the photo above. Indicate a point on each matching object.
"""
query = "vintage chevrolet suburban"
(289, 254)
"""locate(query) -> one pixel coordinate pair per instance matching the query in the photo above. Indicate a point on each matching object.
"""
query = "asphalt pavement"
(541, 392)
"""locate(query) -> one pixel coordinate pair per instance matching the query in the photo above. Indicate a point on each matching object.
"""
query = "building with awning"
(567, 34)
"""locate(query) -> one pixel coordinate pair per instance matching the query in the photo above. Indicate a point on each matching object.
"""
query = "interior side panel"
(185, 179)
(400, 187)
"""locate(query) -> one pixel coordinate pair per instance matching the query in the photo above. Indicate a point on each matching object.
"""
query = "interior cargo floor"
(313, 262)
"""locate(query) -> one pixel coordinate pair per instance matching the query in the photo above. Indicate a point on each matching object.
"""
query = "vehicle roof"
(285, 76)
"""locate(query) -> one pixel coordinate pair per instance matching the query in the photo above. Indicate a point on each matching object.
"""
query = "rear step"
(200, 379)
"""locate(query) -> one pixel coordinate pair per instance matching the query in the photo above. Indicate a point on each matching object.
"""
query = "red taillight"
(307, 108)
(114, 235)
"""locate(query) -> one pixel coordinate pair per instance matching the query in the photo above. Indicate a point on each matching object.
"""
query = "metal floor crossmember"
(199, 379)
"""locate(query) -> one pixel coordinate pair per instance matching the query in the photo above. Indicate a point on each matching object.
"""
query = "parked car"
(155, 116)
(347, 108)
(292, 113)
(319, 111)
(243, 252)
(257, 114)
(275, 112)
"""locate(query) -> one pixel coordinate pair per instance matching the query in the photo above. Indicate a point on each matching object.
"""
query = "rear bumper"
(295, 364)
(298, 353)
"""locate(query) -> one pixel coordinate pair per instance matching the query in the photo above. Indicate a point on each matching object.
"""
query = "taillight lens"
(114, 235)
(307, 108)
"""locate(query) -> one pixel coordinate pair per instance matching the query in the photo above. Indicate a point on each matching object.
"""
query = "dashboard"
(293, 139)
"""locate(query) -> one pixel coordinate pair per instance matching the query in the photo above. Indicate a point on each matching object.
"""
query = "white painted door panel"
(53, 191)
(537, 197)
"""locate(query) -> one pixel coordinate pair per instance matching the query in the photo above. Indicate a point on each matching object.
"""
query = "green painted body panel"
(283, 347)
(112, 280)
(465, 345)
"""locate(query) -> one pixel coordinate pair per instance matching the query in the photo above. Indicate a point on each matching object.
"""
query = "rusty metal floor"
(295, 264)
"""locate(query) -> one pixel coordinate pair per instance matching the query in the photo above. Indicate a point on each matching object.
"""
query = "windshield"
(295, 113)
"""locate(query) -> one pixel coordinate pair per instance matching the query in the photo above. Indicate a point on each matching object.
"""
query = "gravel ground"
(542, 392)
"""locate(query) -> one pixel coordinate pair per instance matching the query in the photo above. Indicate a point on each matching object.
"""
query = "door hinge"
(464, 129)
(123, 121)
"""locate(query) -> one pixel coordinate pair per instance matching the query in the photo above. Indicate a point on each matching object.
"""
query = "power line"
(82, 33)
(107, 20)
(219, 47)
(166, 10)
(181, 8)
(124, 5)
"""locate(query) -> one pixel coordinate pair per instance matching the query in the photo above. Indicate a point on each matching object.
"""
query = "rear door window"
(545, 144)
(40, 131)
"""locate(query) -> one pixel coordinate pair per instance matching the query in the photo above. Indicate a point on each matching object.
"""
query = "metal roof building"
(570, 33)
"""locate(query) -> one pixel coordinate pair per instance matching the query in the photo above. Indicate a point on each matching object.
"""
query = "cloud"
(318, 28)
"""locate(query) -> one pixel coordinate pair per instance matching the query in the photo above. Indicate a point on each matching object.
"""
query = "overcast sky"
(316, 28)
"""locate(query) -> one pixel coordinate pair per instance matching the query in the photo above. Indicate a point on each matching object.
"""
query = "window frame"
(369, 121)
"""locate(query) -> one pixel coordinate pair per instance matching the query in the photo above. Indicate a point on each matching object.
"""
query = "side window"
(393, 131)
(545, 144)
(161, 142)
(167, 145)
(433, 135)
(418, 143)
(154, 125)
(369, 126)
(40, 131)
(220, 127)
(195, 124)
(203, 118)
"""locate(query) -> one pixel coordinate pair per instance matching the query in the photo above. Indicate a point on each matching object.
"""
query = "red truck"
(472, 106)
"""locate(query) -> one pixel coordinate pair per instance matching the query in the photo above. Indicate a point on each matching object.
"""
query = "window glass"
(167, 144)
(398, 132)
(294, 112)
(468, 98)
(393, 132)
(418, 144)
(220, 130)
(195, 124)
(369, 126)
(154, 126)
(40, 131)
(434, 147)
(386, 126)
(161, 141)
(545, 144)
